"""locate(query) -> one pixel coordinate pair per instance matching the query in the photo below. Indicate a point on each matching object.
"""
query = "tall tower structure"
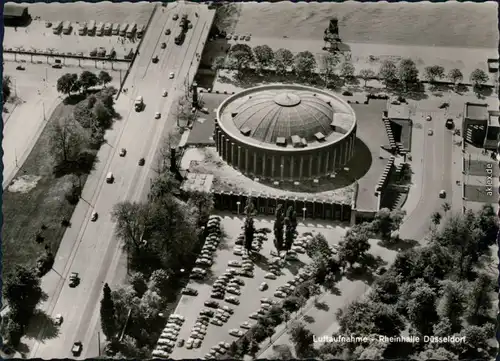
(332, 37)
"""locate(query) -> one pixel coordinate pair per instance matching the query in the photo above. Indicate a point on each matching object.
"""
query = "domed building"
(285, 132)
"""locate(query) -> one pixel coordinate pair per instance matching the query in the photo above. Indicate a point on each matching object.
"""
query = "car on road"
(175, 17)
(232, 299)
(189, 291)
(428, 118)
(171, 75)
(263, 286)
(76, 350)
(430, 132)
(20, 67)
(123, 151)
(163, 45)
(74, 279)
(94, 216)
(58, 319)
(110, 178)
(141, 162)
(164, 93)
(57, 66)
(442, 193)
(155, 59)
(236, 333)
(235, 37)
(167, 32)
(211, 304)
(157, 115)
(450, 124)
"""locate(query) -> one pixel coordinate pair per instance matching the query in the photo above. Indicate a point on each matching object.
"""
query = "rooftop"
(197, 182)
(14, 10)
(401, 111)
(285, 114)
(476, 111)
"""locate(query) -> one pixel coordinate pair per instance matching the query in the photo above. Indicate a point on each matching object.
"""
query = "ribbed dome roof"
(269, 114)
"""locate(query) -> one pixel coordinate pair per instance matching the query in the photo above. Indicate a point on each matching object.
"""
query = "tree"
(66, 142)
(479, 297)
(436, 218)
(264, 54)
(347, 70)
(131, 223)
(434, 72)
(407, 73)
(12, 329)
(353, 248)
(6, 83)
(290, 228)
(420, 301)
(302, 338)
(159, 281)
(386, 289)
(476, 342)
(219, 63)
(254, 348)
(318, 247)
(387, 221)
(234, 350)
(451, 305)
(249, 227)
(455, 76)
(66, 83)
(108, 321)
(361, 318)
(304, 64)
(104, 77)
(88, 80)
(446, 207)
(139, 283)
(203, 203)
(366, 74)
(278, 228)
(243, 55)
(478, 78)
(282, 352)
(283, 59)
(329, 63)
(103, 116)
(388, 72)
(165, 184)
(23, 293)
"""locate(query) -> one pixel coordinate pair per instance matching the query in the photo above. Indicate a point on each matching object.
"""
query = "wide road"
(434, 153)
(90, 248)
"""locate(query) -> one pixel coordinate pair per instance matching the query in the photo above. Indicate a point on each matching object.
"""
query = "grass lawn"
(39, 210)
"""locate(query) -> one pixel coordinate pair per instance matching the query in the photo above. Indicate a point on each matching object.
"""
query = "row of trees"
(331, 66)
(161, 238)
(72, 83)
(438, 289)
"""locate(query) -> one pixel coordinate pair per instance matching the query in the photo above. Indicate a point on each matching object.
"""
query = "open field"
(449, 24)
(80, 11)
(24, 215)
(36, 37)
(190, 306)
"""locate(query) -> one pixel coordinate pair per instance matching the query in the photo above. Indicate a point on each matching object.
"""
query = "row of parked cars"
(206, 257)
(168, 338)
(245, 37)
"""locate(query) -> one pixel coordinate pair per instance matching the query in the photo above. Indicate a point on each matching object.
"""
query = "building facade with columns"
(285, 132)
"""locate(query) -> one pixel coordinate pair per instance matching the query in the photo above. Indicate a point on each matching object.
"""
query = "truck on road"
(139, 103)
(181, 35)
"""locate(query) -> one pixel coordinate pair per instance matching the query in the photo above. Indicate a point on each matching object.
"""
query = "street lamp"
(303, 214)
(238, 205)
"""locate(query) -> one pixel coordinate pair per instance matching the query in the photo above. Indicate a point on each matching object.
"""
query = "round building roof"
(286, 114)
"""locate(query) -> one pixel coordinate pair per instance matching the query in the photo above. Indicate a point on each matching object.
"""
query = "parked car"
(20, 67)
(232, 299)
(430, 132)
(155, 59)
(211, 304)
(57, 66)
(236, 333)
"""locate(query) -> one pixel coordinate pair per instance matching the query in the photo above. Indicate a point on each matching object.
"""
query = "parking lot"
(250, 299)
(39, 38)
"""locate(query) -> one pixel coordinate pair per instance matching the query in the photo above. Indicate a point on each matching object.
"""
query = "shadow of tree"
(294, 266)
(360, 274)
(261, 261)
(398, 244)
(224, 240)
(308, 319)
(322, 306)
(83, 165)
(23, 349)
(42, 327)
(209, 278)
